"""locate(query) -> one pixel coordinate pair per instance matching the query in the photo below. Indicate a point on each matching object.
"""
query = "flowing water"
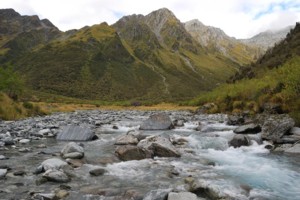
(236, 173)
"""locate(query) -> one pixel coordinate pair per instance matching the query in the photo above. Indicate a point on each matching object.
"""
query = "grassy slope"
(275, 80)
(12, 110)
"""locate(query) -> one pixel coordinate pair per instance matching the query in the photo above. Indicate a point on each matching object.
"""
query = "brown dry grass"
(62, 107)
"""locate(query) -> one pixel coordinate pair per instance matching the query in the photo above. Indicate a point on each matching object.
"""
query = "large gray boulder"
(159, 121)
(72, 150)
(248, 129)
(160, 146)
(182, 196)
(239, 140)
(276, 126)
(128, 152)
(53, 163)
(75, 133)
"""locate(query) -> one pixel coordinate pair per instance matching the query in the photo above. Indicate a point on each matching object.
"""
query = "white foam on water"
(134, 168)
(188, 127)
(251, 166)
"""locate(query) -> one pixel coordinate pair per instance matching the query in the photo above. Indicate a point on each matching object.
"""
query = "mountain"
(139, 57)
(270, 84)
(268, 38)
(19, 34)
(214, 39)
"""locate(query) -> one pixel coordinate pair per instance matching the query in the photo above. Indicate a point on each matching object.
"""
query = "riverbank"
(193, 157)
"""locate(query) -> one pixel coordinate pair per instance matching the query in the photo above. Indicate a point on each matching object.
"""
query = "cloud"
(238, 18)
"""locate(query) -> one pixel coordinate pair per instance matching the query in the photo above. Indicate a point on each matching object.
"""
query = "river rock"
(72, 150)
(126, 139)
(200, 187)
(75, 163)
(182, 196)
(53, 163)
(24, 141)
(129, 152)
(239, 140)
(290, 139)
(75, 133)
(97, 171)
(3, 157)
(295, 131)
(61, 194)
(276, 126)
(294, 149)
(44, 132)
(159, 121)
(160, 146)
(3, 173)
(160, 194)
(8, 141)
(248, 129)
(139, 135)
(56, 176)
(282, 147)
(235, 119)
(45, 196)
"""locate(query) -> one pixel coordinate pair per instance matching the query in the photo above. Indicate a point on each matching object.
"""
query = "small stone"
(19, 173)
(24, 150)
(56, 176)
(24, 141)
(3, 173)
(97, 171)
(3, 157)
(45, 196)
(126, 139)
(182, 196)
(269, 146)
(75, 162)
(40, 181)
(41, 146)
(115, 127)
(61, 194)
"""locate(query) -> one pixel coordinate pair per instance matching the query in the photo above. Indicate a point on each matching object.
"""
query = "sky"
(238, 18)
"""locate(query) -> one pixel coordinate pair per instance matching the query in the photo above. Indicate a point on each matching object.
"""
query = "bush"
(28, 105)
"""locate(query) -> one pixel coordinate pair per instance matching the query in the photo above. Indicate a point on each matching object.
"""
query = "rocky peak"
(205, 34)
(216, 40)
(8, 14)
(269, 38)
(157, 19)
(12, 22)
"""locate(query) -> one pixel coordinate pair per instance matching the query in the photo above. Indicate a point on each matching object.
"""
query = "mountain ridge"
(137, 58)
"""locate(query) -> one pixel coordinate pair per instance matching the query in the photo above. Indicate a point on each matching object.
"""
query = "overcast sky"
(238, 18)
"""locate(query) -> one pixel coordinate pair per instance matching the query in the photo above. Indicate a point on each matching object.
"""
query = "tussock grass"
(278, 86)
